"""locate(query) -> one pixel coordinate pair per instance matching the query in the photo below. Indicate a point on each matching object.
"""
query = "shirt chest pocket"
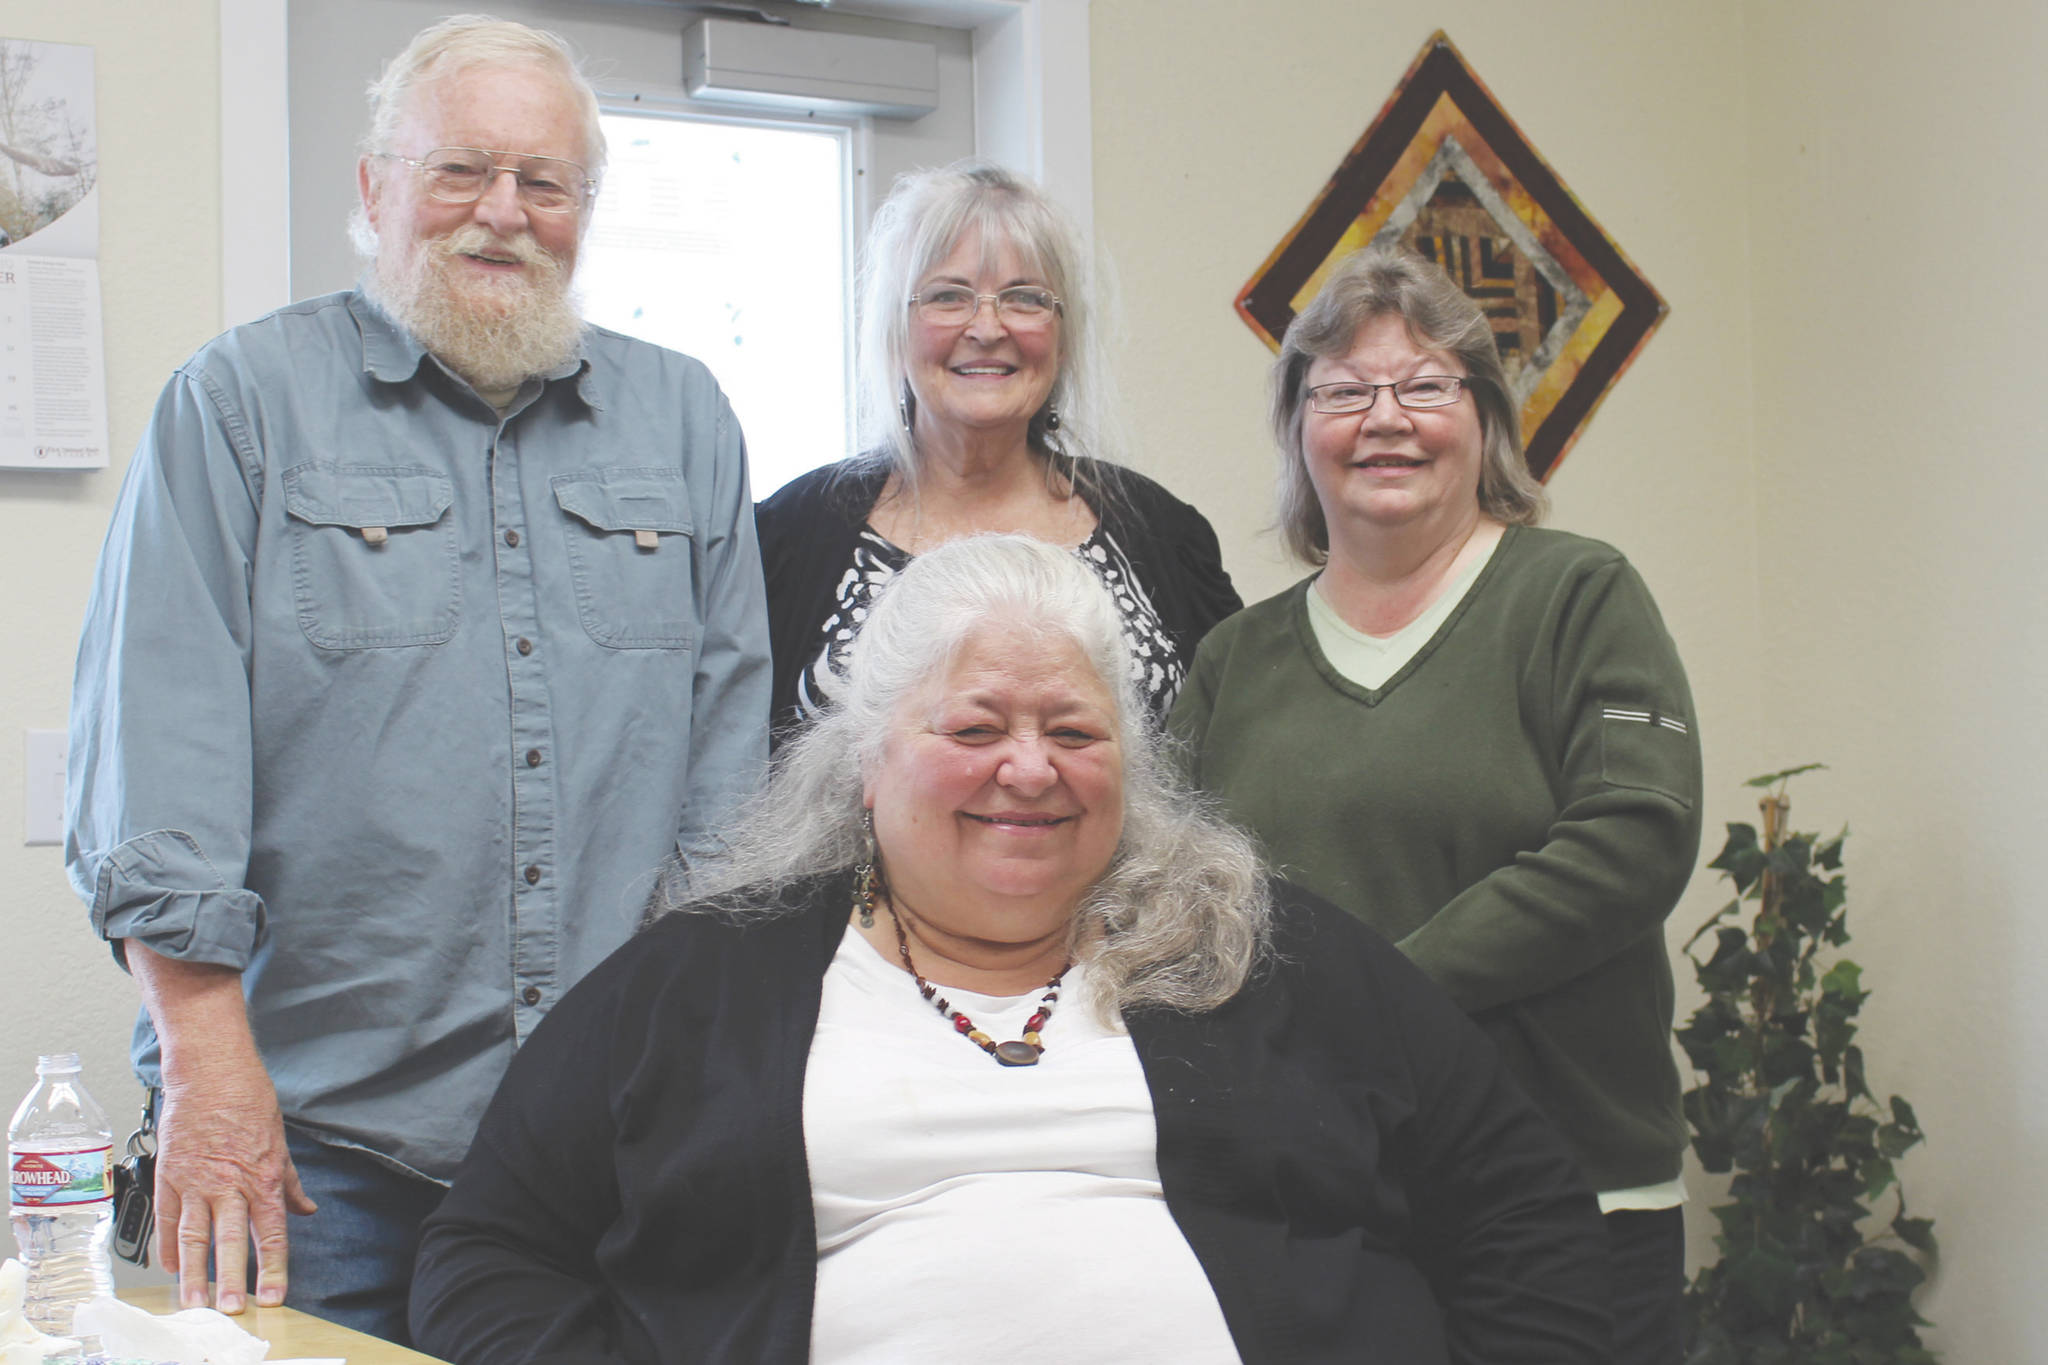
(630, 546)
(375, 560)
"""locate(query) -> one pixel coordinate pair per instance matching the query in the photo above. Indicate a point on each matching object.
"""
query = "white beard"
(494, 331)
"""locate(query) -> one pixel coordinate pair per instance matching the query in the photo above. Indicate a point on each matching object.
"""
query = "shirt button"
(533, 758)
(531, 995)
(525, 646)
(532, 875)
(512, 539)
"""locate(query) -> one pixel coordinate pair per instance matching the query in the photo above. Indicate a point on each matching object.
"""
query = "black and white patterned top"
(1156, 665)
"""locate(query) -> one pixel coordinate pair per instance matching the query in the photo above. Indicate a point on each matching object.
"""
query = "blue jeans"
(351, 1262)
(1647, 1252)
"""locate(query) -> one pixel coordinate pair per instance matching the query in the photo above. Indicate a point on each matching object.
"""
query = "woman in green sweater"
(1473, 734)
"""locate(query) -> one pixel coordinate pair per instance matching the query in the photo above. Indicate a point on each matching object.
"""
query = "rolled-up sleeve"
(159, 787)
(729, 705)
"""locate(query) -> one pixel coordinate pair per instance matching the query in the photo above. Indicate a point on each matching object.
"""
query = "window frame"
(855, 146)
(1031, 98)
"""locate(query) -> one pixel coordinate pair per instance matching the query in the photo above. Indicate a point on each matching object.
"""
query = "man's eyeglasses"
(462, 175)
(1021, 305)
(1422, 391)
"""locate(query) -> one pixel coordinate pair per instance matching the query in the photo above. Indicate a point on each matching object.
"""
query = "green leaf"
(1882, 1270)
(1852, 1072)
(1742, 858)
(1895, 1141)
(1829, 854)
(1917, 1233)
(1773, 779)
(1843, 987)
(1731, 908)
(1902, 1114)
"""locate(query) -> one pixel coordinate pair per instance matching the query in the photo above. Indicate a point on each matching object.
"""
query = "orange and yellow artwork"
(1445, 171)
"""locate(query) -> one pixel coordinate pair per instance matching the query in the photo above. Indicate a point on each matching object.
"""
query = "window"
(730, 240)
(289, 170)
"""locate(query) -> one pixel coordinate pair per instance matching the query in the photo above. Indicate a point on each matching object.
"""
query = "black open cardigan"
(809, 526)
(1354, 1170)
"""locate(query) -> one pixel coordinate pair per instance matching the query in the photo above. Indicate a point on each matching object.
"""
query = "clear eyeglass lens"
(1426, 391)
(461, 175)
(1423, 391)
(1025, 303)
(951, 305)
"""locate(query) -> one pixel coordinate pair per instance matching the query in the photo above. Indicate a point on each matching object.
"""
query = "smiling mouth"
(489, 259)
(1390, 462)
(996, 370)
(1018, 821)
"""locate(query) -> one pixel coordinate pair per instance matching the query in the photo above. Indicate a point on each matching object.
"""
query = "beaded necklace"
(1016, 1052)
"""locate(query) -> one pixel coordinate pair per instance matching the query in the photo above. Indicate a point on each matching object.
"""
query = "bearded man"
(430, 621)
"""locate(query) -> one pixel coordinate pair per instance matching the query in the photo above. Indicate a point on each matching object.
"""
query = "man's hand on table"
(223, 1173)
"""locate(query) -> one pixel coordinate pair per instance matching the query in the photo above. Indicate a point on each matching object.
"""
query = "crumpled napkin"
(192, 1336)
(20, 1343)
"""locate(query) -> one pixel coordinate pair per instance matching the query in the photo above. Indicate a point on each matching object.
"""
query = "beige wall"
(1895, 199)
(1829, 462)
(1821, 462)
(157, 71)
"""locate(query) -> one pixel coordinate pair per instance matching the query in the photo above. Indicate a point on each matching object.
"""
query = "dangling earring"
(864, 879)
(903, 405)
(1052, 417)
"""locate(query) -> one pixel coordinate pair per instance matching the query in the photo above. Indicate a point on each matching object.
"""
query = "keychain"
(135, 1194)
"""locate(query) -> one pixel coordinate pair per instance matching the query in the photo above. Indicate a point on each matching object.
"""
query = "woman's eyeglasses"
(1021, 305)
(1422, 391)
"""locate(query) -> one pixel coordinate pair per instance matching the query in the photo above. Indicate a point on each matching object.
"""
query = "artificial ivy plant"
(1807, 1274)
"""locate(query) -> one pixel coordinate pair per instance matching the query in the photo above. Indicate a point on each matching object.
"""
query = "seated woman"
(981, 397)
(997, 1046)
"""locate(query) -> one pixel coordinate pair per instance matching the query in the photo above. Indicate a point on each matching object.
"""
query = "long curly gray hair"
(1179, 918)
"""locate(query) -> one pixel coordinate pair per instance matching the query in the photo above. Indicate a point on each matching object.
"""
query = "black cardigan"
(1348, 1161)
(809, 526)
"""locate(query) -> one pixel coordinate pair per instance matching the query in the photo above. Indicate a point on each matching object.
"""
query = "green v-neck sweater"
(1517, 808)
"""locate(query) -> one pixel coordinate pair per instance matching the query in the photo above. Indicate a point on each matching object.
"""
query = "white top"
(969, 1211)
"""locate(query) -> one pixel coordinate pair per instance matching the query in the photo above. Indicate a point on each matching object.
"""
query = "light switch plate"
(43, 802)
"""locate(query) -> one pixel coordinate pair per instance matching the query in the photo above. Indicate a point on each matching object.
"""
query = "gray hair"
(458, 43)
(1376, 282)
(1180, 917)
(924, 218)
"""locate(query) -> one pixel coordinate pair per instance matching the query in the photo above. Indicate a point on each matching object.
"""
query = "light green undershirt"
(1369, 660)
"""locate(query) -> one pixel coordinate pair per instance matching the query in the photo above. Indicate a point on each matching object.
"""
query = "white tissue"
(21, 1344)
(193, 1336)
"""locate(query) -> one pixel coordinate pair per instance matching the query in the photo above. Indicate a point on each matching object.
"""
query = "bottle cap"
(56, 1061)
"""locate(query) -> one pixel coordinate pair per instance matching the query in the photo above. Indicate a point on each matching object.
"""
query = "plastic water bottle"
(60, 1157)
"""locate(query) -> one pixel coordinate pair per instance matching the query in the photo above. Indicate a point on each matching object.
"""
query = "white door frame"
(1031, 111)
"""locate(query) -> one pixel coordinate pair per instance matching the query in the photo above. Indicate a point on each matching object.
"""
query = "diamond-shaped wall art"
(1445, 171)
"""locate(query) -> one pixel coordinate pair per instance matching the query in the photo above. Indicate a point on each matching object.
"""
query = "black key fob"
(135, 1201)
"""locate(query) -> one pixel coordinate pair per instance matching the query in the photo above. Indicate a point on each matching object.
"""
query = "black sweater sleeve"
(807, 530)
(507, 1270)
(1351, 1163)
(1174, 552)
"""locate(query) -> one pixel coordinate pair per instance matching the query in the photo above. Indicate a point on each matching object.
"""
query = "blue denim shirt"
(395, 705)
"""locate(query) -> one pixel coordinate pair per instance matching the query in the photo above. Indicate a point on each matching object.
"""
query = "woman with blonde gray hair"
(982, 410)
(1473, 734)
(993, 1043)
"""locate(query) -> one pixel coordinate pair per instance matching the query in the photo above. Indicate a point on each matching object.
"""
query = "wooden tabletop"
(291, 1333)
